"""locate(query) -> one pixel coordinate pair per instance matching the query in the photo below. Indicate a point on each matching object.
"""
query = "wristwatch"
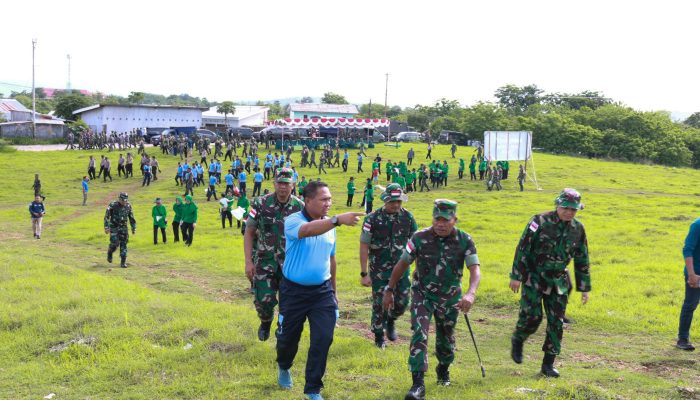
(363, 274)
(389, 289)
(334, 220)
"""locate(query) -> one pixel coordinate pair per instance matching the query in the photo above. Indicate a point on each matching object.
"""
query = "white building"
(13, 111)
(124, 118)
(244, 116)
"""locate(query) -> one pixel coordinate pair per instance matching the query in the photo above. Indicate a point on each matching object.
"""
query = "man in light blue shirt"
(229, 182)
(242, 179)
(308, 290)
(257, 182)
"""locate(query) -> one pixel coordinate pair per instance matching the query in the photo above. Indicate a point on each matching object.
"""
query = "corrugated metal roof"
(324, 108)
(82, 110)
(12, 105)
(241, 112)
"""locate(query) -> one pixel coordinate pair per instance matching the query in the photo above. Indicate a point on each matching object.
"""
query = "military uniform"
(545, 249)
(267, 216)
(436, 289)
(115, 222)
(386, 235)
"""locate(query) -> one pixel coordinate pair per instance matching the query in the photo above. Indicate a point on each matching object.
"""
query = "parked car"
(377, 137)
(207, 134)
(153, 134)
(409, 137)
(244, 133)
(274, 133)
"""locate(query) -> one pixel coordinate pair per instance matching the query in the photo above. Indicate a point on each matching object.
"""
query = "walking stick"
(483, 372)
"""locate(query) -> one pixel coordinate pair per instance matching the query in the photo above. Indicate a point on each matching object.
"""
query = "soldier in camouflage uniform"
(549, 242)
(385, 233)
(441, 252)
(116, 216)
(266, 223)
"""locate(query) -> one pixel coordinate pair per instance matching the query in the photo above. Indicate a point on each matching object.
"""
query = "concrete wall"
(24, 129)
(124, 119)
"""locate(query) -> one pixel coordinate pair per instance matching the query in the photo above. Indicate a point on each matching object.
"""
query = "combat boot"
(516, 350)
(264, 331)
(123, 262)
(417, 391)
(379, 340)
(391, 329)
(443, 375)
(548, 369)
(109, 257)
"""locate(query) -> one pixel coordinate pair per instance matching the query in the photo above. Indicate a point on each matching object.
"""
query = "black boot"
(417, 391)
(443, 375)
(516, 350)
(390, 329)
(123, 265)
(548, 369)
(379, 340)
(109, 256)
(264, 331)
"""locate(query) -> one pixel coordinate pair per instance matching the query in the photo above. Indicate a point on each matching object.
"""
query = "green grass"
(137, 321)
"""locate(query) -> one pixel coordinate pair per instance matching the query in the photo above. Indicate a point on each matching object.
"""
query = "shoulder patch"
(410, 247)
(366, 227)
(533, 226)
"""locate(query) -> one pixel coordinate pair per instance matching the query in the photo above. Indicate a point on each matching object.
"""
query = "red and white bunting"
(331, 122)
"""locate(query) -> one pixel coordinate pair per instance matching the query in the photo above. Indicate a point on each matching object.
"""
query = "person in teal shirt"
(351, 191)
(159, 214)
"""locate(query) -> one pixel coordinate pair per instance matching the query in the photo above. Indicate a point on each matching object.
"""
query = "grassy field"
(180, 323)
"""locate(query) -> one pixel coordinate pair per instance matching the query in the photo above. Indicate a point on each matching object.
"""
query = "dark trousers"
(129, 170)
(692, 296)
(345, 165)
(410, 161)
(267, 173)
(481, 175)
(349, 202)
(368, 207)
(241, 187)
(187, 232)
(211, 192)
(461, 173)
(224, 216)
(472, 175)
(91, 173)
(120, 169)
(107, 174)
(256, 188)
(297, 304)
(359, 167)
(155, 234)
(146, 179)
(176, 230)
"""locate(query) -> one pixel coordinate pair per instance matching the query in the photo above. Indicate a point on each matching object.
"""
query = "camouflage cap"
(445, 209)
(569, 198)
(284, 175)
(123, 196)
(393, 192)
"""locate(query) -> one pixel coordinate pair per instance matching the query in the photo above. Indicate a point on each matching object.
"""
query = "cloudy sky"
(642, 53)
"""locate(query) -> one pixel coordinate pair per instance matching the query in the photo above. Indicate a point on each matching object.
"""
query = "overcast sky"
(642, 53)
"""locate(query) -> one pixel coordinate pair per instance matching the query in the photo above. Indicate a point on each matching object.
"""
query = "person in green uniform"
(177, 218)
(440, 252)
(483, 166)
(460, 171)
(472, 169)
(550, 241)
(385, 233)
(244, 203)
(410, 180)
(116, 217)
(189, 220)
(445, 170)
(159, 214)
(369, 196)
(302, 185)
(389, 170)
(266, 222)
(351, 191)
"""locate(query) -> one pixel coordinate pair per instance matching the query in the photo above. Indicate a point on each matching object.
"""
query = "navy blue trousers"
(297, 304)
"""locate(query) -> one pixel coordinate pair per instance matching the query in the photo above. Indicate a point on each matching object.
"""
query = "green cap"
(445, 209)
(393, 192)
(123, 196)
(284, 175)
(569, 198)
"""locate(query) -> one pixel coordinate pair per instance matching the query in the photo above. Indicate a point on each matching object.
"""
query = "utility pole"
(33, 93)
(68, 88)
(386, 92)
